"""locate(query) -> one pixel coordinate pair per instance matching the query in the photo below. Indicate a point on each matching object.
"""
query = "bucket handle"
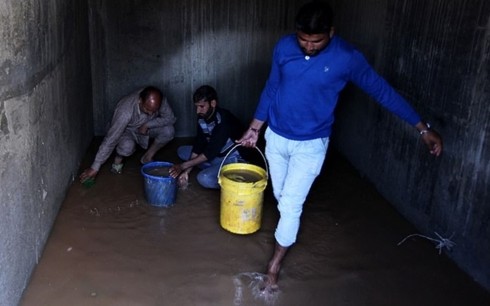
(236, 146)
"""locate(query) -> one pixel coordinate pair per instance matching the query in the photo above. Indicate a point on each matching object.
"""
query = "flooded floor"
(109, 247)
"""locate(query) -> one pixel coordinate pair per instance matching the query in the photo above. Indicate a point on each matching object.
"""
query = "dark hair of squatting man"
(206, 93)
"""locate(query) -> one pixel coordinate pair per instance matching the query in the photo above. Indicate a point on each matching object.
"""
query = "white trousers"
(293, 167)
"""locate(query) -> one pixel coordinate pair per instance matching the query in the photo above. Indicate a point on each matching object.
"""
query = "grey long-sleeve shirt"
(128, 117)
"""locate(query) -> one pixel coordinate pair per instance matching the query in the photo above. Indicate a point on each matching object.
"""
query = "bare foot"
(268, 288)
(270, 281)
(273, 268)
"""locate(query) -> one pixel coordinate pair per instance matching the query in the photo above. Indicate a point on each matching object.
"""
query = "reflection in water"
(243, 176)
(118, 209)
(158, 171)
(254, 281)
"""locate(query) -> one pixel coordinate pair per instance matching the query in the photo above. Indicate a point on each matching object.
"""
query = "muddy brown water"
(160, 171)
(109, 247)
(242, 176)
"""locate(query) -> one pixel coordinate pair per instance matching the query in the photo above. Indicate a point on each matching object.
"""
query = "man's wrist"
(425, 130)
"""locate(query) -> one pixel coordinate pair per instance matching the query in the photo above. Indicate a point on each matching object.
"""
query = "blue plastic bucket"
(160, 187)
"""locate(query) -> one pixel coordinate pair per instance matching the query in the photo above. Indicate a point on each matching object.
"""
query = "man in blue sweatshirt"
(309, 69)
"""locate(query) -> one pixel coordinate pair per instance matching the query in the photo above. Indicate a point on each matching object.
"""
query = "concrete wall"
(180, 45)
(436, 53)
(45, 125)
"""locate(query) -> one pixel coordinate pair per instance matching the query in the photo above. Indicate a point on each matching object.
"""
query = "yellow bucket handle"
(236, 146)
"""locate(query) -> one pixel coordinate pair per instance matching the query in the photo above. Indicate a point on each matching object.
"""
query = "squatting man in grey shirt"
(138, 117)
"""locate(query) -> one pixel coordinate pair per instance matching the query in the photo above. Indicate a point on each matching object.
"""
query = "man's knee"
(208, 179)
(184, 152)
(164, 134)
(291, 210)
(126, 147)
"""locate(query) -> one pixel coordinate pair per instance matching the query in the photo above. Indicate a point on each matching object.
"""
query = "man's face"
(205, 109)
(311, 44)
(151, 105)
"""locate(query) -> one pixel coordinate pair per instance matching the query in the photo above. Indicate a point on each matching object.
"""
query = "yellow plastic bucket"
(242, 196)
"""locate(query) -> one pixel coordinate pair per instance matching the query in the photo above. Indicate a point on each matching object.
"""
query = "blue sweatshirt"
(300, 96)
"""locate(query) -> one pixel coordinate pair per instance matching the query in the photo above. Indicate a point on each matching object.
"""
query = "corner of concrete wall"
(181, 45)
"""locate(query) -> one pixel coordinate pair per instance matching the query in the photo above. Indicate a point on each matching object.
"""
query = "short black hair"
(206, 93)
(315, 17)
(148, 90)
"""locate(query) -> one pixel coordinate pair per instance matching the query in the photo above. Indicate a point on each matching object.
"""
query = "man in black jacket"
(217, 130)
